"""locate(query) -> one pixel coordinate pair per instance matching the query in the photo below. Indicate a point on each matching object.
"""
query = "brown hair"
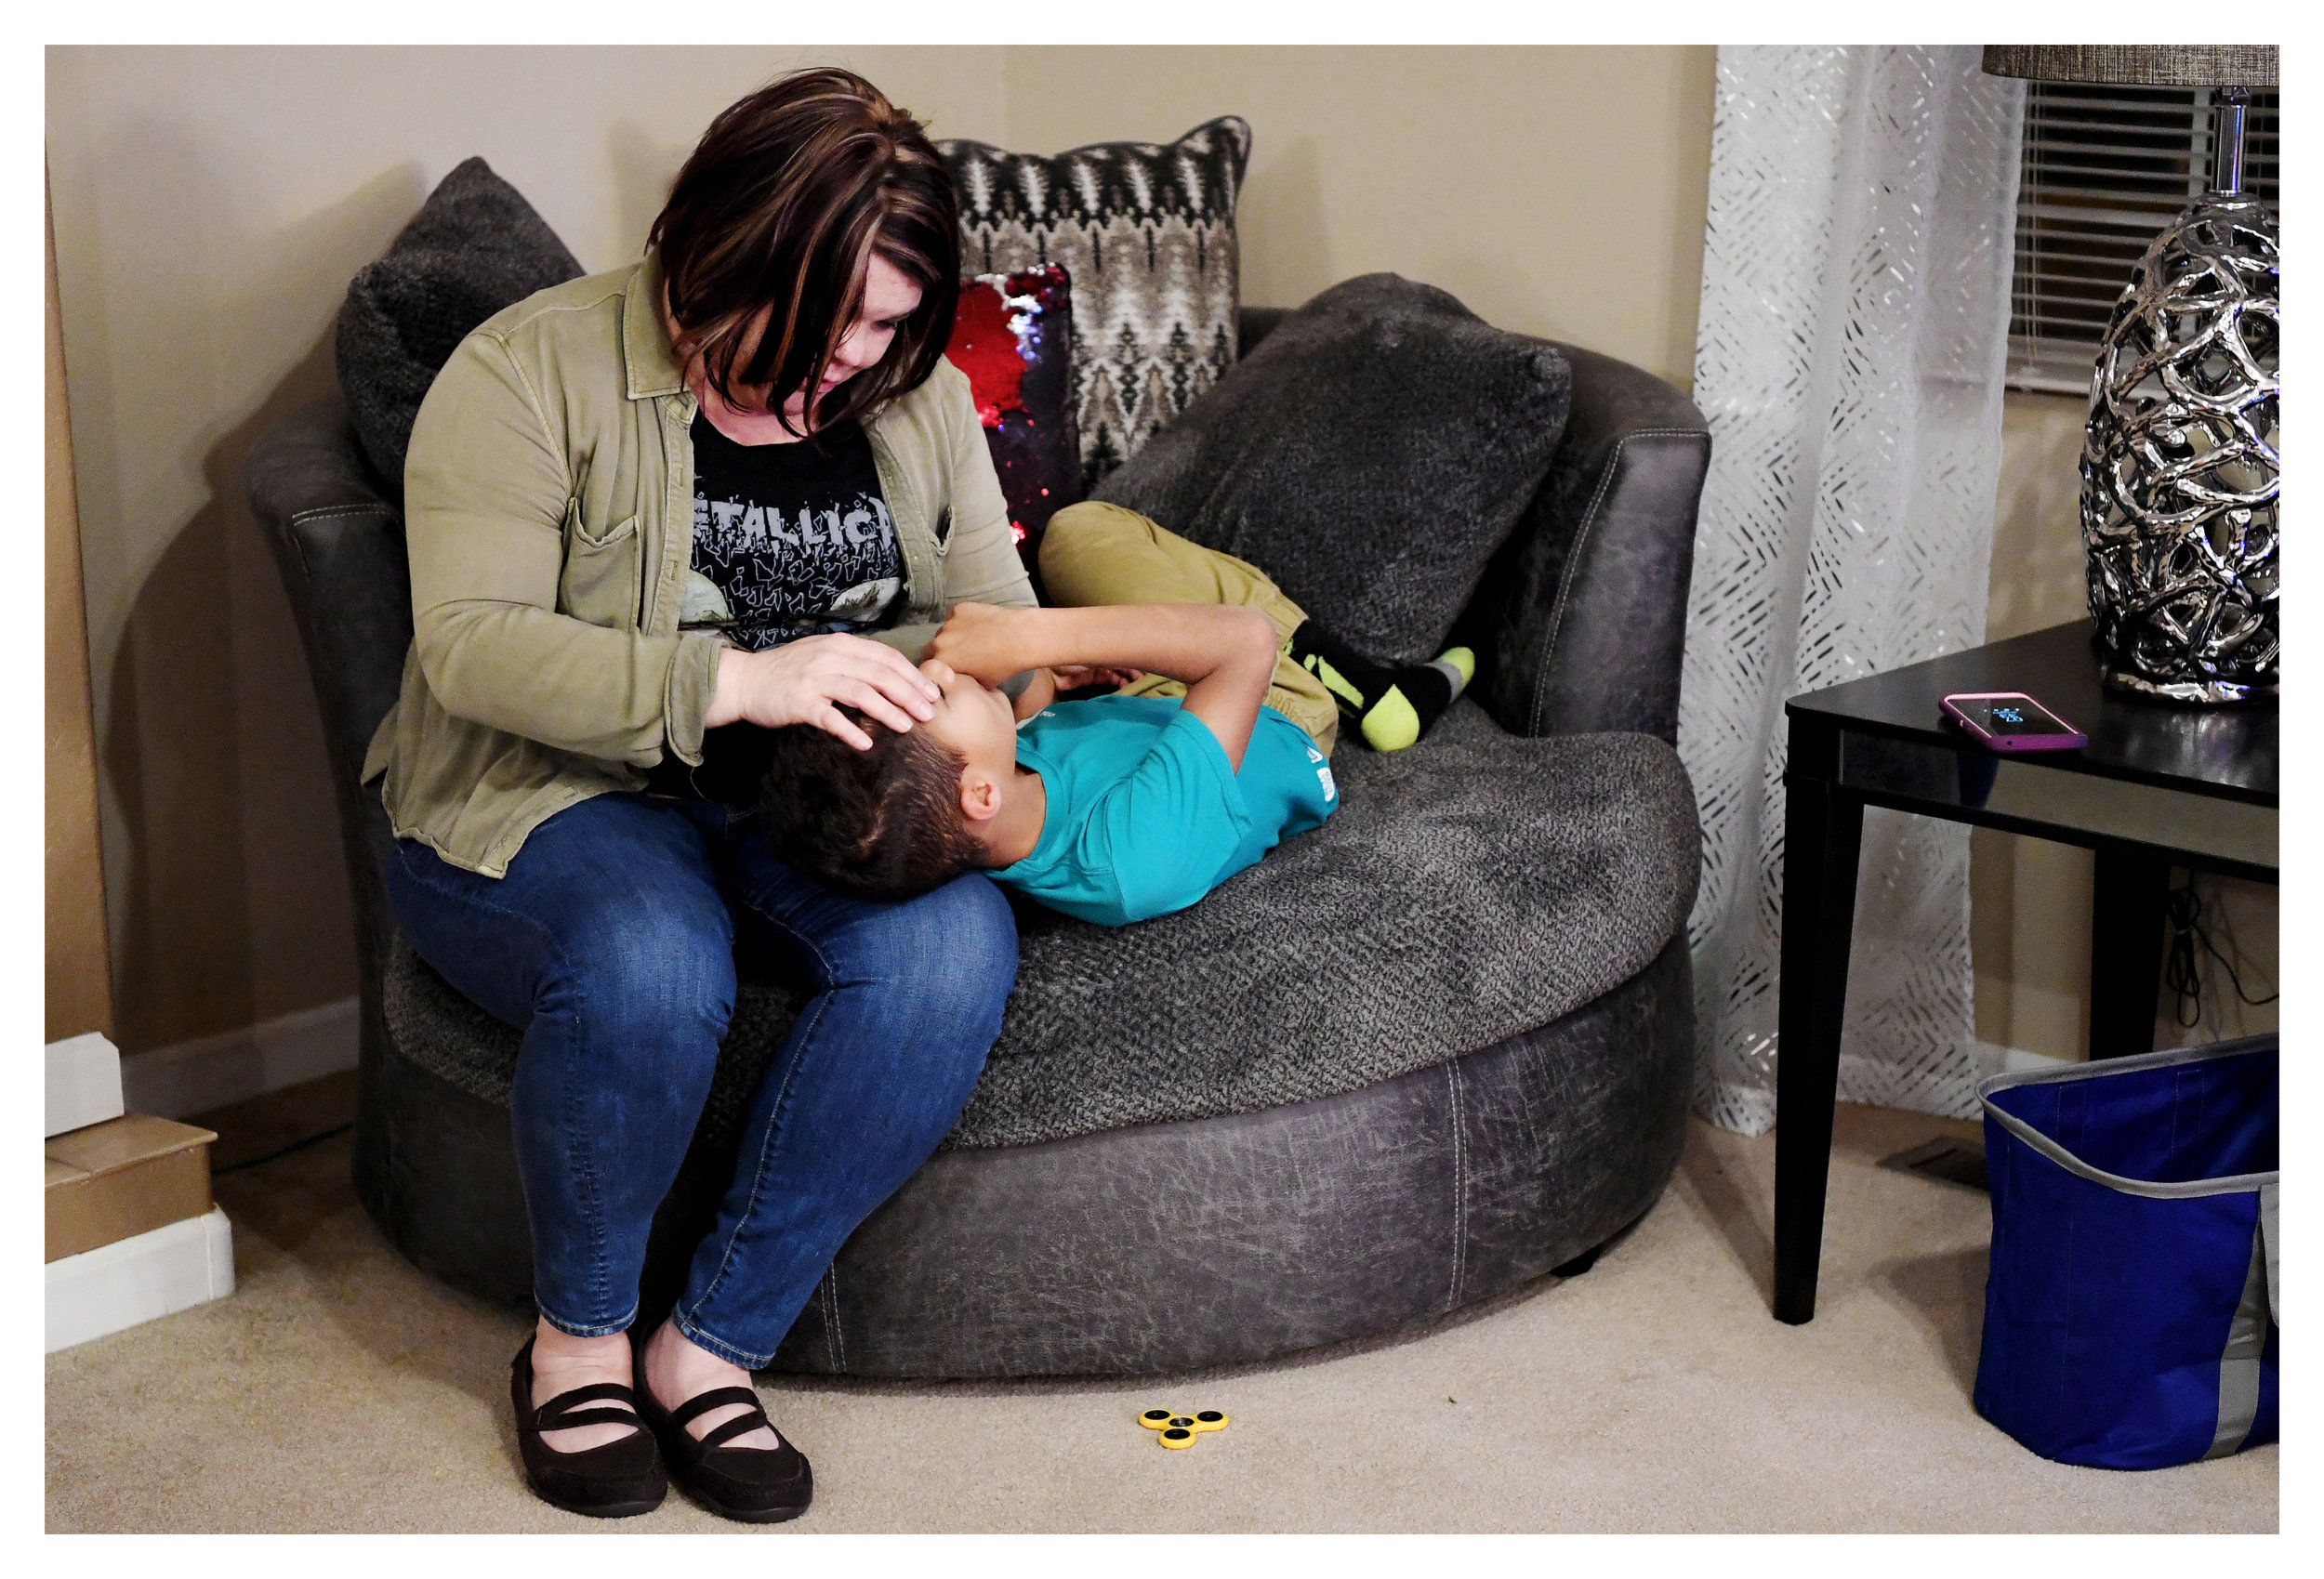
(778, 211)
(884, 823)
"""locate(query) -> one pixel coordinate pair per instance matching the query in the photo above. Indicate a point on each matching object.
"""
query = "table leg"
(2127, 897)
(1823, 829)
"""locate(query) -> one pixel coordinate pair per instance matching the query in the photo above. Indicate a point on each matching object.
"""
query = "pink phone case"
(2073, 741)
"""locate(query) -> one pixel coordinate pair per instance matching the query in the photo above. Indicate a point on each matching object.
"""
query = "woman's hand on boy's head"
(806, 681)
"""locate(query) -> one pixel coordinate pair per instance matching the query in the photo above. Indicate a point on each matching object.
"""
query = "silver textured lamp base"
(2180, 463)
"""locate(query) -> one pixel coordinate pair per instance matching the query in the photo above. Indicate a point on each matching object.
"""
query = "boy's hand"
(980, 640)
(1072, 677)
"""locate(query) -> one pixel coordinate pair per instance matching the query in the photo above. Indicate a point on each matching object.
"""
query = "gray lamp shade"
(2156, 65)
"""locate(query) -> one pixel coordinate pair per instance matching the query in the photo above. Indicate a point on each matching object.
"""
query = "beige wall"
(2030, 900)
(1557, 191)
(211, 205)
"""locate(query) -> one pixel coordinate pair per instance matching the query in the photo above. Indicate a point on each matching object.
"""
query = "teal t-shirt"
(1144, 815)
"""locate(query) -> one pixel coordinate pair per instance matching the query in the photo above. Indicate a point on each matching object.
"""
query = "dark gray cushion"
(1475, 886)
(1369, 454)
(474, 247)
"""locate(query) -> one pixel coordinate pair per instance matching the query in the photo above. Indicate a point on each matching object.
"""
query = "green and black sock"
(1394, 705)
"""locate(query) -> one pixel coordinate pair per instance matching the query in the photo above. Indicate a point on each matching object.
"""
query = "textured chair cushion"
(474, 247)
(1014, 337)
(1477, 886)
(1369, 454)
(1147, 233)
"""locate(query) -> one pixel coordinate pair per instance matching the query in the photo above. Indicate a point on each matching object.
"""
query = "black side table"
(2158, 786)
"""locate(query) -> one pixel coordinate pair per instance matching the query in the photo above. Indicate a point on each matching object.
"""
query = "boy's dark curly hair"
(884, 823)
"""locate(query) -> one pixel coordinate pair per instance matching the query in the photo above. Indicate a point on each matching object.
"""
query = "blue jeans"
(610, 944)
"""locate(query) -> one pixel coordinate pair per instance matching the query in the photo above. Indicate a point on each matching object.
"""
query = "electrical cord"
(281, 1152)
(2182, 966)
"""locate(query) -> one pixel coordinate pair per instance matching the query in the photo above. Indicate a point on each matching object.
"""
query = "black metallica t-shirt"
(795, 537)
(789, 540)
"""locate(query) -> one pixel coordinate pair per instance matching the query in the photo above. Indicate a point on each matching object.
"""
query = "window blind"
(2103, 169)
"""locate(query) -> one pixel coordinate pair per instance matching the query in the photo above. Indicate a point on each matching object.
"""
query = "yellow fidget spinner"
(1176, 1431)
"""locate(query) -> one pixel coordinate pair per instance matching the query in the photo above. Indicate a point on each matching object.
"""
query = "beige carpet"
(340, 1389)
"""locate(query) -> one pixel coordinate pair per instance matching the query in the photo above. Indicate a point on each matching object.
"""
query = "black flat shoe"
(614, 1479)
(755, 1484)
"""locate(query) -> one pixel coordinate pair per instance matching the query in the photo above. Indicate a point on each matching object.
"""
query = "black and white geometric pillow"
(1147, 233)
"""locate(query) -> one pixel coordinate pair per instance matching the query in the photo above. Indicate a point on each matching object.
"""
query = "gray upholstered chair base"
(1158, 1247)
(1173, 1246)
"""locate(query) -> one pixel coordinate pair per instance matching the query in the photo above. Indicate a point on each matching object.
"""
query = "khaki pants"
(1096, 554)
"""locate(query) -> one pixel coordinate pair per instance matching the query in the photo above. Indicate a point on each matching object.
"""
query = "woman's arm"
(486, 489)
(982, 564)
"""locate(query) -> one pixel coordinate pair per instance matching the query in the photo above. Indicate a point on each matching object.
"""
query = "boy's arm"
(1225, 655)
(1038, 692)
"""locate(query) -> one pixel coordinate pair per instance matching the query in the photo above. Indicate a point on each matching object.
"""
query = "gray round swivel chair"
(1439, 1047)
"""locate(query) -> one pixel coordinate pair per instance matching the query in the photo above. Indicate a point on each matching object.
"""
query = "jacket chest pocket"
(603, 573)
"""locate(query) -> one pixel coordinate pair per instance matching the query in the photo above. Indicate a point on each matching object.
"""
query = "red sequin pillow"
(1012, 335)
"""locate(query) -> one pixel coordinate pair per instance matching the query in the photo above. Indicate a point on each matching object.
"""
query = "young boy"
(1117, 809)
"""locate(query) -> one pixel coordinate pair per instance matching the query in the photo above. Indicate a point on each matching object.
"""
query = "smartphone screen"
(2010, 716)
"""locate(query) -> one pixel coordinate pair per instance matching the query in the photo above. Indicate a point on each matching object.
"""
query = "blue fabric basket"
(2129, 1310)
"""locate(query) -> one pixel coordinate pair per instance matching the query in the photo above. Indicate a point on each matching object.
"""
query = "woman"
(732, 485)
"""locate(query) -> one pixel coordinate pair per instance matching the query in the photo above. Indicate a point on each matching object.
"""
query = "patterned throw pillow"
(1014, 337)
(1147, 233)
(474, 247)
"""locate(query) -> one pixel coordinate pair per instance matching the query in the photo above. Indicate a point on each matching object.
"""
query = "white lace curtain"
(1849, 357)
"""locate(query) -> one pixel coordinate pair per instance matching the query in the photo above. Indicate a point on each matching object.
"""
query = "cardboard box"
(127, 1176)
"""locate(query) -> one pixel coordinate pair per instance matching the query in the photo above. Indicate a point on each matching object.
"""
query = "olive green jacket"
(548, 511)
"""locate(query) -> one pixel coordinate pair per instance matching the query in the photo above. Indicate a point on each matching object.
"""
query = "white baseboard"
(1997, 1059)
(134, 1279)
(192, 1078)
